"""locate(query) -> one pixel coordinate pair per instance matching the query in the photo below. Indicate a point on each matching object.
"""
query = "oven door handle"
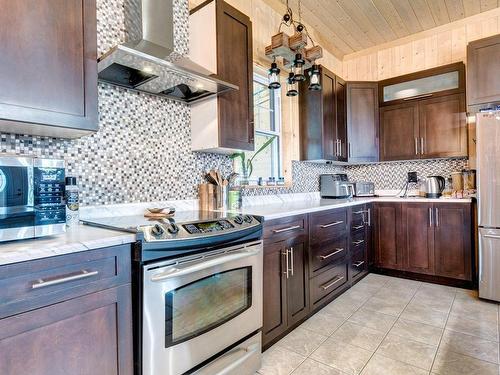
(191, 267)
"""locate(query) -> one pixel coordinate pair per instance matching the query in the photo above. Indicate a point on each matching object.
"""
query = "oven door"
(198, 306)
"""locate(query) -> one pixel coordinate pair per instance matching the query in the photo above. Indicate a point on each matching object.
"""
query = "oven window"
(204, 304)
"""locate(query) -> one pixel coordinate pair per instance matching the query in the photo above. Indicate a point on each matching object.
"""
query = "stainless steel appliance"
(434, 186)
(364, 189)
(199, 292)
(488, 177)
(335, 185)
(148, 60)
(31, 197)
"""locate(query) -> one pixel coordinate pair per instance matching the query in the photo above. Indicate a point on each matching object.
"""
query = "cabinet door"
(49, 65)
(388, 252)
(399, 132)
(329, 117)
(483, 65)
(452, 240)
(341, 118)
(362, 121)
(234, 64)
(443, 130)
(297, 282)
(86, 336)
(275, 303)
(418, 234)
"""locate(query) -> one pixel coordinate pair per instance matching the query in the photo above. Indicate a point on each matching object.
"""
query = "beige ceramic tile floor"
(390, 326)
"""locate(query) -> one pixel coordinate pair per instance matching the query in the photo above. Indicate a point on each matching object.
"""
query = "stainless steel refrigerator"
(488, 178)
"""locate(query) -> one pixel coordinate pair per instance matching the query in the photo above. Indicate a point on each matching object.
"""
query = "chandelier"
(294, 54)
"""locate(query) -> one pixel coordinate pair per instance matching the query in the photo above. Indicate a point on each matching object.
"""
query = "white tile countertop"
(78, 238)
(282, 205)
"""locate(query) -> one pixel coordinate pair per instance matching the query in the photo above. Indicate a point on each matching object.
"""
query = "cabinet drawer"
(358, 219)
(286, 227)
(358, 263)
(326, 226)
(326, 253)
(358, 241)
(37, 283)
(328, 281)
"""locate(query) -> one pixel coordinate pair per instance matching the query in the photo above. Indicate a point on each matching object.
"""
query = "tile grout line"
(444, 330)
(413, 296)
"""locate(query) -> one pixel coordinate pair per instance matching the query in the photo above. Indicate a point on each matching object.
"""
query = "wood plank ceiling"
(352, 25)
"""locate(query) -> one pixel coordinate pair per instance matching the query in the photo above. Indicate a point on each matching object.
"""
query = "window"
(267, 119)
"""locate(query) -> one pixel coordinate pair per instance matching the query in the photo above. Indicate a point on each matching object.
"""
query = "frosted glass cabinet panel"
(422, 87)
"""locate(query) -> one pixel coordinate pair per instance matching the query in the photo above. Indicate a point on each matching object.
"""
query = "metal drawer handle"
(83, 274)
(418, 97)
(286, 229)
(323, 257)
(331, 224)
(328, 286)
(358, 264)
(358, 242)
(492, 236)
(359, 212)
(357, 226)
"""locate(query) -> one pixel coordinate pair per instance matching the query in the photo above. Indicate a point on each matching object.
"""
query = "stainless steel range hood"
(149, 60)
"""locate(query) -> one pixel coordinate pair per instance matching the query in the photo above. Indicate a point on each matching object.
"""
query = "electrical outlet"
(412, 177)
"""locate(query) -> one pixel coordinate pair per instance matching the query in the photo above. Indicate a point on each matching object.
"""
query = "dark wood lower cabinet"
(286, 276)
(432, 240)
(84, 328)
(453, 240)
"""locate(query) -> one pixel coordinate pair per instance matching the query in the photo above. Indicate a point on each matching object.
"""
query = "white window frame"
(277, 162)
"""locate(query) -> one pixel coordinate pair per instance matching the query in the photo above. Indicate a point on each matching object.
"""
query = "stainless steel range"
(197, 292)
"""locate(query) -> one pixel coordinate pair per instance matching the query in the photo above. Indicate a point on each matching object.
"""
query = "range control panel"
(169, 231)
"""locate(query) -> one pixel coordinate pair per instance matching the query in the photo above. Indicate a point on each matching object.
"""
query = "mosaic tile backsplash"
(142, 150)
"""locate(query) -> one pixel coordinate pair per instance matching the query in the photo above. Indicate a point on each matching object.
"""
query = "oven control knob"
(247, 218)
(173, 228)
(157, 230)
(238, 220)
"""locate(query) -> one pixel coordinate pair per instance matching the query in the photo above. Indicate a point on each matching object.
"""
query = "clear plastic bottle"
(72, 200)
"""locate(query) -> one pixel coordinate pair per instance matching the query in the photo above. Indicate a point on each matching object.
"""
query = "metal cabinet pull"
(337, 250)
(285, 254)
(83, 274)
(417, 97)
(492, 236)
(328, 286)
(287, 229)
(359, 242)
(359, 263)
(349, 154)
(416, 146)
(422, 147)
(291, 260)
(437, 217)
(430, 217)
(357, 226)
(331, 224)
(369, 217)
(361, 212)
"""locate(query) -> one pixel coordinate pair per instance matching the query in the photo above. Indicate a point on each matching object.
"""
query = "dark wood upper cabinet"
(362, 121)
(453, 240)
(399, 134)
(224, 123)
(323, 119)
(48, 67)
(418, 237)
(234, 59)
(483, 65)
(443, 128)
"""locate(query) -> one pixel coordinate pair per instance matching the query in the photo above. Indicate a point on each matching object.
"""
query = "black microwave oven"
(31, 197)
